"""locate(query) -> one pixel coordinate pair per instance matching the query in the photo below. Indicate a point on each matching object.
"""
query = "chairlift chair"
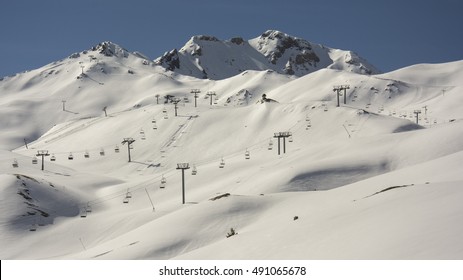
(34, 160)
(70, 157)
(247, 155)
(194, 171)
(163, 180)
(290, 139)
(155, 126)
(270, 145)
(153, 120)
(128, 194)
(102, 152)
(162, 186)
(116, 149)
(83, 213)
(52, 158)
(88, 208)
(15, 163)
(86, 155)
(125, 200)
(222, 164)
(33, 227)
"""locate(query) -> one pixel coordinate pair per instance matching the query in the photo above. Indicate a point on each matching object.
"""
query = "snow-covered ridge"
(358, 181)
(208, 57)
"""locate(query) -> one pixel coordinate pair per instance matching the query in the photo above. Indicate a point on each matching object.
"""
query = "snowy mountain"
(370, 179)
(208, 57)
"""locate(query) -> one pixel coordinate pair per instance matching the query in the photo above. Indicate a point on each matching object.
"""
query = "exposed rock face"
(237, 40)
(274, 44)
(169, 60)
(110, 49)
(208, 57)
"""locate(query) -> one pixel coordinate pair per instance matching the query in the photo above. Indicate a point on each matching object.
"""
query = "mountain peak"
(109, 48)
(205, 56)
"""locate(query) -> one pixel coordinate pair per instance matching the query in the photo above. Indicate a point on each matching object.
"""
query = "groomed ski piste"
(360, 181)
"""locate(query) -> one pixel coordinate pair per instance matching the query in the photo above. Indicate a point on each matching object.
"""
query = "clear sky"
(389, 33)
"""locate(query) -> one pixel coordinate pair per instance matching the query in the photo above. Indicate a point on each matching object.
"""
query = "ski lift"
(102, 152)
(34, 160)
(70, 157)
(194, 171)
(270, 145)
(33, 227)
(83, 213)
(247, 155)
(116, 149)
(86, 155)
(88, 208)
(53, 158)
(309, 125)
(222, 164)
(15, 163)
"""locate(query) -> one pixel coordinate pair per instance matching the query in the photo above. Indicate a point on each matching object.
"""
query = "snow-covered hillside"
(207, 57)
(358, 181)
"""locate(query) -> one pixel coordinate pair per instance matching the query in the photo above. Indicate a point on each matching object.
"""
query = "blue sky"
(389, 33)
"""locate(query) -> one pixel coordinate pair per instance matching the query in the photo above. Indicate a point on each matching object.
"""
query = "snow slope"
(359, 181)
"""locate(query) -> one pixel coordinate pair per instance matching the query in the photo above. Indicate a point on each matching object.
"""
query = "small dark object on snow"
(231, 233)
